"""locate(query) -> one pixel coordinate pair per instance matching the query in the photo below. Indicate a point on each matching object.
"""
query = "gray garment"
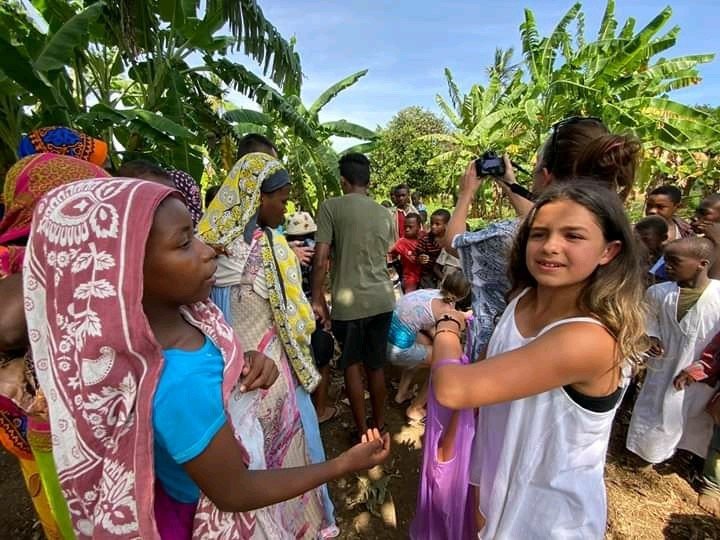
(485, 257)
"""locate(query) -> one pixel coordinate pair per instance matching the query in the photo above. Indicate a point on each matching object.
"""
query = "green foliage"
(120, 70)
(402, 153)
(302, 140)
(619, 77)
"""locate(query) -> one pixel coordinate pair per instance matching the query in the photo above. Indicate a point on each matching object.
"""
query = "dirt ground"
(659, 503)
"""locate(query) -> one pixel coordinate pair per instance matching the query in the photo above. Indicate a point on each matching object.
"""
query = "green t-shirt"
(359, 232)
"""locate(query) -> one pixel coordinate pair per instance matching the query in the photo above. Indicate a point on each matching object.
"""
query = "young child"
(707, 213)
(410, 336)
(124, 338)
(406, 248)
(664, 201)
(429, 249)
(706, 222)
(684, 315)
(707, 370)
(301, 229)
(553, 378)
(652, 231)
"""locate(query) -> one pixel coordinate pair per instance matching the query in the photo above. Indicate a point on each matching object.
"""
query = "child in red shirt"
(406, 248)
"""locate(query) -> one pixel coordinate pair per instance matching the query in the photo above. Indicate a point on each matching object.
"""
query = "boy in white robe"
(683, 317)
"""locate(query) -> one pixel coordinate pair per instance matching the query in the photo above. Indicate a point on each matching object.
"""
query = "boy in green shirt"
(355, 233)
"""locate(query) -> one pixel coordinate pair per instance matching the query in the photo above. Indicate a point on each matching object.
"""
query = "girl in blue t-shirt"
(152, 403)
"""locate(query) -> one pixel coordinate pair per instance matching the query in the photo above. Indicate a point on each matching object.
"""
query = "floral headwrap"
(64, 141)
(191, 192)
(27, 181)
(233, 215)
(98, 362)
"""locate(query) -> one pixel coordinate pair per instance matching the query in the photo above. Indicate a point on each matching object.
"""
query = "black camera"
(490, 164)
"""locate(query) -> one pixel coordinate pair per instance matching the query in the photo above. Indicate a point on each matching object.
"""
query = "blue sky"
(406, 44)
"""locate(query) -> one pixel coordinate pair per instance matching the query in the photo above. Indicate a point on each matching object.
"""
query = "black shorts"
(363, 340)
(323, 347)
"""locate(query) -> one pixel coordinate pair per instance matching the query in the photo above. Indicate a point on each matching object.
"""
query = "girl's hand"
(656, 347)
(683, 380)
(372, 450)
(259, 372)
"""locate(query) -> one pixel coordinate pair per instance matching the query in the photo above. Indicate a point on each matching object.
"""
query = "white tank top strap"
(568, 321)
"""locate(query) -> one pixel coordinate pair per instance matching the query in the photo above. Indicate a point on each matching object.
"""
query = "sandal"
(327, 417)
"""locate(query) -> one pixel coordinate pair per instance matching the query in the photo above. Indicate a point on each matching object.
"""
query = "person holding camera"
(578, 147)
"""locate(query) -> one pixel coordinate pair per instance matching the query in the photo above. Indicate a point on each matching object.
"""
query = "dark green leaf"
(247, 116)
(61, 46)
(334, 90)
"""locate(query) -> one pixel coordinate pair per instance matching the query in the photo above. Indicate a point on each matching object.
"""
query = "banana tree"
(303, 139)
(127, 71)
(616, 76)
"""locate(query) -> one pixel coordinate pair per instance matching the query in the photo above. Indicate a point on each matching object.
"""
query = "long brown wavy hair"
(585, 148)
(613, 293)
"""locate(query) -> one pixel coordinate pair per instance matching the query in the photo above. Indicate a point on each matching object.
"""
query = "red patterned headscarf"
(27, 181)
(98, 362)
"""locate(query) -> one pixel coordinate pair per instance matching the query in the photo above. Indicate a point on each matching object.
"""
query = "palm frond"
(262, 41)
(329, 94)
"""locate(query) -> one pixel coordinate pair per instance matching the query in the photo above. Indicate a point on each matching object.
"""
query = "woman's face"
(566, 244)
(272, 207)
(179, 268)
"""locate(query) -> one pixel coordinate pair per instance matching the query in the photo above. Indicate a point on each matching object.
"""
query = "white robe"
(665, 419)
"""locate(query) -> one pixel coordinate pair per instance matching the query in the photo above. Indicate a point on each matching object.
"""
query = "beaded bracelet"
(447, 317)
(447, 330)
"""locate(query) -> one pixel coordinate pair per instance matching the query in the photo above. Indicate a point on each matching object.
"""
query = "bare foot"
(401, 397)
(710, 503)
(415, 413)
(328, 414)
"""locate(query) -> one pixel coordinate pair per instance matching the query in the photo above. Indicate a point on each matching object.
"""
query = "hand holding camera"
(501, 170)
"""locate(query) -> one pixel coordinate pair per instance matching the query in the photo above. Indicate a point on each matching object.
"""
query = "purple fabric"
(444, 509)
(174, 519)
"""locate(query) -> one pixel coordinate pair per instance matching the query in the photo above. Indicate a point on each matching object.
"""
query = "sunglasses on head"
(549, 164)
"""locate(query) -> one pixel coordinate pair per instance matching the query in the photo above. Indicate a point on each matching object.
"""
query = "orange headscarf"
(64, 141)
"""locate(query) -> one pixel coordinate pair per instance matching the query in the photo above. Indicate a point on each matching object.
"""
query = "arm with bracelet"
(446, 342)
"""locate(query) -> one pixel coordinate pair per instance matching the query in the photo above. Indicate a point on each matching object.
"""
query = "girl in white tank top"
(554, 369)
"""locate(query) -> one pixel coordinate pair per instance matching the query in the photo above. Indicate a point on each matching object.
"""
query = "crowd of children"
(179, 360)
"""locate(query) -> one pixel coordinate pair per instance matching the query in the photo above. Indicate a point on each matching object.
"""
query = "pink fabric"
(97, 360)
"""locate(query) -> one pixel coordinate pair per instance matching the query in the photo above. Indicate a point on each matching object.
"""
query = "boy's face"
(401, 198)
(660, 205)
(682, 266)
(412, 228)
(705, 213)
(437, 226)
(652, 239)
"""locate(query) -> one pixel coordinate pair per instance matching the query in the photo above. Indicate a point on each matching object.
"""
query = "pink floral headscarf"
(98, 361)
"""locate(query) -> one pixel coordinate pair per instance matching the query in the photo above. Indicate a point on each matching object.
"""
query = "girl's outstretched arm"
(221, 474)
(573, 353)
